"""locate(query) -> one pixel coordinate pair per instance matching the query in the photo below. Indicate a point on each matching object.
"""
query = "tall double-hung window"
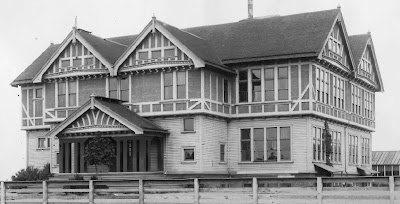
(175, 85)
(67, 94)
(365, 151)
(243, 86)
(356, 99)
(269, 84)
(269, 144)
(322, 85)
(353, 149)
(283, 83)
(118, 88)
(256, 85)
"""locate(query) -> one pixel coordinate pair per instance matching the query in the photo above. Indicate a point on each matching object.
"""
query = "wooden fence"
(224, 190)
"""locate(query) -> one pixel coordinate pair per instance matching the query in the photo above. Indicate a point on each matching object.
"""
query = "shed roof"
(385, 157)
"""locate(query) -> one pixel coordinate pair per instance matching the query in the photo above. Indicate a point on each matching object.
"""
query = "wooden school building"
(241, 98)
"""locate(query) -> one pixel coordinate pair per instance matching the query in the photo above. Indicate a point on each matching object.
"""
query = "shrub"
(77, 177)
(33, 174)
(94, 178)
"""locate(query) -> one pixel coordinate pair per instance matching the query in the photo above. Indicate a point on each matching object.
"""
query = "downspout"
(345, 147)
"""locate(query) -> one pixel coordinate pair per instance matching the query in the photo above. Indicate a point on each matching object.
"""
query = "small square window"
(43, 142)
(188, 124)
(188, 154)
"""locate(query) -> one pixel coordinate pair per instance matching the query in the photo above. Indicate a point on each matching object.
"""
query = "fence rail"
(201, 190)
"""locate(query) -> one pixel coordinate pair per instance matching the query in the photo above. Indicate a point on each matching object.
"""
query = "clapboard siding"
(345, 131)
(215, 133)
(298, 148)
(36, 157)
(176, 140)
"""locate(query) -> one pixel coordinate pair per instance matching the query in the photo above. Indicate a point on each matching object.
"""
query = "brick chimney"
(250, 8)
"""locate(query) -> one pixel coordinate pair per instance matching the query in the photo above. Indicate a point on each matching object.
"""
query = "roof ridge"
(105, 39)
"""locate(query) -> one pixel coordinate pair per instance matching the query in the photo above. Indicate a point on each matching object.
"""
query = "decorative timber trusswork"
(75, 60)
(154, 52)
(95, 120)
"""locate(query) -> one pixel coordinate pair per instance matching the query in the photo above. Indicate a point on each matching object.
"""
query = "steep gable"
(365, 60)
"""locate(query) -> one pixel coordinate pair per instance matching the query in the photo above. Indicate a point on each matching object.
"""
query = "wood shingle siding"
(146, 87)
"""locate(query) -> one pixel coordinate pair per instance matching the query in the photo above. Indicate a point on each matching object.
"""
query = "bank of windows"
(368, 101)
(155, 47)
(324, 85)
(365, 151)
(67, 92)
(366, 66)
(319, 145)
(386, 170)
(270, 144)
(118, 88)
(353, 149)
(43, 143)
(175, 86)
(32, 101)
(356, 92)
(336, 47)
(270, 75)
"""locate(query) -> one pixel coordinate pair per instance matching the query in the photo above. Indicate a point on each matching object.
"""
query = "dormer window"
(335, 45)
(365, 67)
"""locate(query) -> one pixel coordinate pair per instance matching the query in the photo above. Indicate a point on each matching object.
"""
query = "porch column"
(67, 157)
(76, 157)
(82, 159)
(134, 155)
(61, 157)
(148, 154)
(142, 155)
(125, 155)
(118, 166)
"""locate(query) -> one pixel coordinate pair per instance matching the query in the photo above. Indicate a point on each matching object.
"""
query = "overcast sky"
(28, 27)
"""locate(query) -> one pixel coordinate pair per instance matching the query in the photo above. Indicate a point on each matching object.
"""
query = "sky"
(28, 27)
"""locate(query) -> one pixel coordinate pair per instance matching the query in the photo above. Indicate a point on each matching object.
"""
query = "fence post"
(319, 189)
(3, 193)
(141, 192)
(255, 191)
(391, 189)
(91, 192)
(45, 197)
(196, 191)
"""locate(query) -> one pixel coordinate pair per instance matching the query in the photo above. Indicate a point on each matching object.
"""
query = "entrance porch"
(133, 154)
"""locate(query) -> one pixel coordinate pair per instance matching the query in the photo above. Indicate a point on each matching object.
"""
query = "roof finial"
(338, 6)
(92, 101)
(153, 20)
(74, 30)
(369, 32)
(250, 8)
(76, 22)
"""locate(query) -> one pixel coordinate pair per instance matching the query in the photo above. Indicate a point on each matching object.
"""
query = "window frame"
(278, 145)
(175, 85)
(222, 155)
(67, 93)
(119, 89)
(183, 125)
(46, 144)
(184, 160)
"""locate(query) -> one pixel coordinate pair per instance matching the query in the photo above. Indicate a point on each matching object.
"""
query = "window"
(168, 85)
(256, 85)
(243, 91)
(365, 67)
(353, 149)
(336, 147)
(226, 91)
(118, 88)
(222, 152)
(43, 143)
(188, 154)
(318, 144)
(271, 144)
(269, 84)
(368, 104)
(188, 124)
(322, 85)
(67, 94)
(32, 102)
(335, 44)
(175, 85)
(356, 99)
(283, 83)
(338, 92)
(365, 151)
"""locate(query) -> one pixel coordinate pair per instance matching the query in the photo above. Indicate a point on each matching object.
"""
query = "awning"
(363, 171)
(327, 168)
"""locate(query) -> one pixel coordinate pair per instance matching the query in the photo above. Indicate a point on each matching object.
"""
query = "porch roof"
(115, 109)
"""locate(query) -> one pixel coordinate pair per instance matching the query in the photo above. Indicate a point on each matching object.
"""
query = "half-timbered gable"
(249, 97)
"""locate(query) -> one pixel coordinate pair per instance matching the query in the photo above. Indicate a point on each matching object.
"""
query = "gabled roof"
(29, 73)
(292, 35)
(359, 44)
(110, 50)
(385, 157)
(115, 109)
